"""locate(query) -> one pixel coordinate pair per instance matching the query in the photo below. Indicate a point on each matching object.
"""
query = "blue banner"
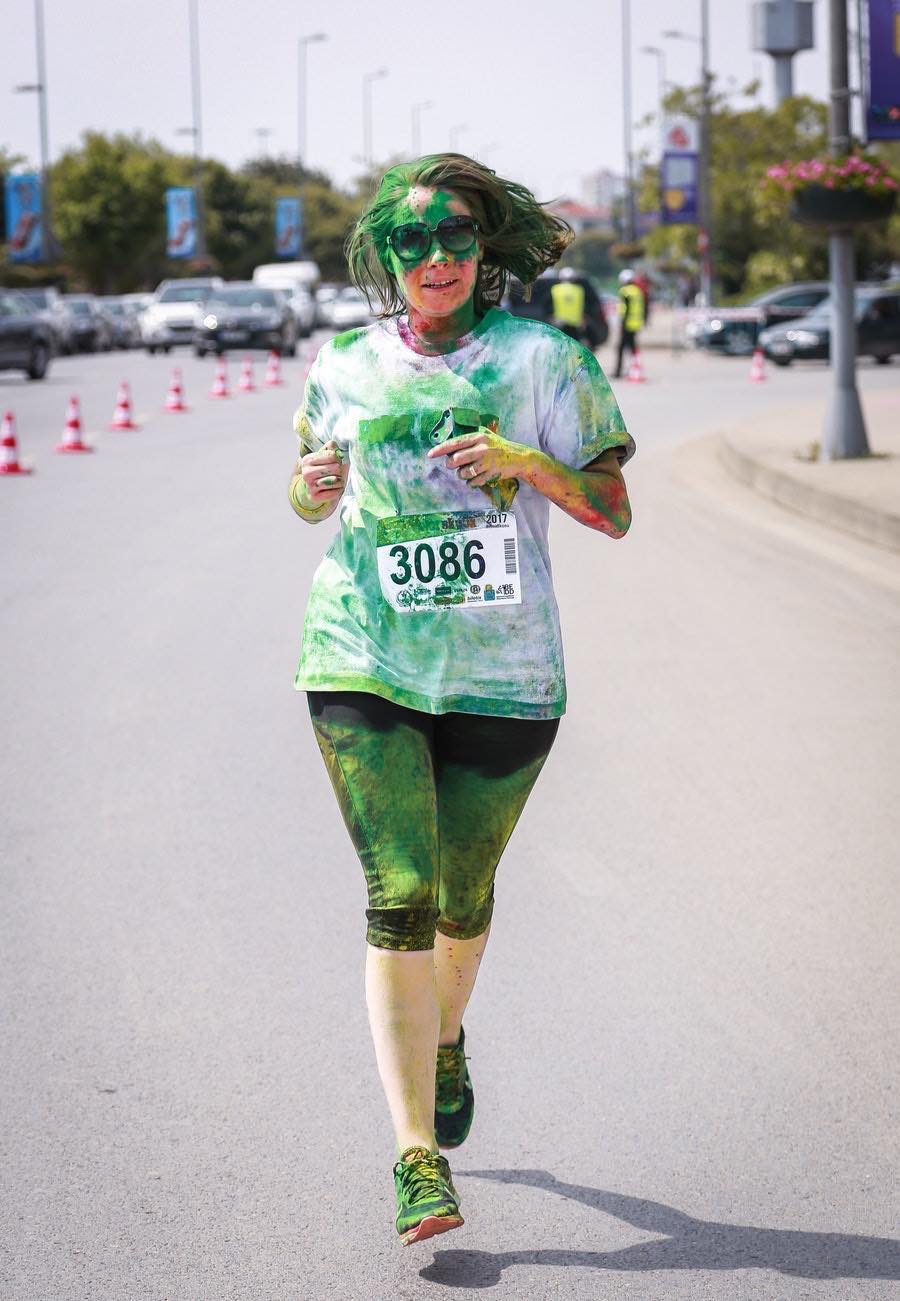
(181, 222)
(678, 188)
(24, 218)
(883, 102)
(288, 227)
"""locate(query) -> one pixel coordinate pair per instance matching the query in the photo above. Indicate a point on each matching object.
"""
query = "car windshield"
(184, 294)
(114, 309)
(822, 313)
(36, 296)
(243, 298)
(80, 307)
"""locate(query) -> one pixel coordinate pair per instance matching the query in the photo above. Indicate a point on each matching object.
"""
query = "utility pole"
(630, 222)
(200, 252)
(367, 80)
(417, 110)
(704, 238)
(845, 427)
(49, 247)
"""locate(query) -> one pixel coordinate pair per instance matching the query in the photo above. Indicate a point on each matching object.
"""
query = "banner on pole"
(24, 217)
(883, 99)
(679, 188)
(288, 227)
(181, 222)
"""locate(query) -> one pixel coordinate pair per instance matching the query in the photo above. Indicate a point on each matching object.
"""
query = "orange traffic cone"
(758, 367)
(246, 383)
(122, 414)
(71, 436)
(220, 383)
(635, 371)
(9, 450)
(175, 396)
(273, 370)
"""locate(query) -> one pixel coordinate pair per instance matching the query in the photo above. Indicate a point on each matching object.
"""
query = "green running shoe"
(454, 1097)
(427, 1202)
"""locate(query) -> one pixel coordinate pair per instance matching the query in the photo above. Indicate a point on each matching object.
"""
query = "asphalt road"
(684, 1040)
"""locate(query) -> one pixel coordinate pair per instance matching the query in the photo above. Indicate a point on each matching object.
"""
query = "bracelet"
(305, 510)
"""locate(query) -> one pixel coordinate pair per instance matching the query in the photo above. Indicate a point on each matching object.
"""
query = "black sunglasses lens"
(456, 233)
(411, 242)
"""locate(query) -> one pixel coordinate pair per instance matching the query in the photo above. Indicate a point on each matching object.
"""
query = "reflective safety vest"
(568, 303)
(631, 307)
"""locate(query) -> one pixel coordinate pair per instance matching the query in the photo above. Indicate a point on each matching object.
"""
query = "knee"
(465, 923)
(403, 929)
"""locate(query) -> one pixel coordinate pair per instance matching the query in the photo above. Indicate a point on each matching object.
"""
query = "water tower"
(782, 28)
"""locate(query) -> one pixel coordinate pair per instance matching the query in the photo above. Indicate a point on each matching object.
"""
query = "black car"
(26, 342)
(245, 315)
(877, 312)
(91, 331)
(50, 304)
(735, 330)
(539, 307)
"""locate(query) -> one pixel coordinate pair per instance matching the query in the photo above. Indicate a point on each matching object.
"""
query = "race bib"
(461, 558)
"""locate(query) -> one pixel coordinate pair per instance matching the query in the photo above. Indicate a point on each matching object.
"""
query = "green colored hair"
(519, 236)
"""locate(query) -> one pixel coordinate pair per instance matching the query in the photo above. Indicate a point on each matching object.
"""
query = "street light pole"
(630, 224)
(845, 427)
(39, 88)
(705, 240)
(368, 78)
(417, 110)
(661, 74)
(455, 132)
(197, 129)
(301, 95)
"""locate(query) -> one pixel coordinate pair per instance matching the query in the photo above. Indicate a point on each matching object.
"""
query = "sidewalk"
(861, 497)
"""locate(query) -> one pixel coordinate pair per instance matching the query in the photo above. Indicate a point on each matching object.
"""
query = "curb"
(839, 512)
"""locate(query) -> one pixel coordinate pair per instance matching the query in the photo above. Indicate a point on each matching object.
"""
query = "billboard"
(24, 218)
(288, 227)
(679, 172)
(181, 222)
(883, 101)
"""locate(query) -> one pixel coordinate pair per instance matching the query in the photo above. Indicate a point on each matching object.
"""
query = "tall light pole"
(845, 427)
(416, 112)
(630, 223)
(368, 78)
(302, 43)
(455, 132)
(660, 56)
(196, 130)
(704, 238)
(39, 88)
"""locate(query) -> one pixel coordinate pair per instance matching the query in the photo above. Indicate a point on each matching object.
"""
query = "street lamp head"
(315, 36)
(650, 49)
(681, 36)
(29, 86)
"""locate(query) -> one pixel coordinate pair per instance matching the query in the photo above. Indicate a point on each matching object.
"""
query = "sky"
(533, 90)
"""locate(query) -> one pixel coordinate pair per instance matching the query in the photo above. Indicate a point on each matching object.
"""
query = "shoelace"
(422, 1178)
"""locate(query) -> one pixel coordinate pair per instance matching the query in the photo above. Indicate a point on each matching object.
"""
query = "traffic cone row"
(220, 383)
(122, 414)
(635, 371)
(175, 396)
(9, 448)
(71, 434)
(758, 367)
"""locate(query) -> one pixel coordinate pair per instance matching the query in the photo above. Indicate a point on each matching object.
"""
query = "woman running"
(431, 652)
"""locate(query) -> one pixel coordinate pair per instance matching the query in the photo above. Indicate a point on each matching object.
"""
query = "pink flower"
(830, 183)
(890, 183)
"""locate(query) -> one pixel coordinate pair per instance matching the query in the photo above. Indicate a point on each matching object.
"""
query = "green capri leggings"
(430, 802)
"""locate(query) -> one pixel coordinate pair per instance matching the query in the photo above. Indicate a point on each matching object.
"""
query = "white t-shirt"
(433, 594)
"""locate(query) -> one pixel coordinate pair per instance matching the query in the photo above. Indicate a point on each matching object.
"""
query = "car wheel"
(883, 358)
(38, 361)
(198, 351)
(782, 361)
(167, 348)
(151, 348)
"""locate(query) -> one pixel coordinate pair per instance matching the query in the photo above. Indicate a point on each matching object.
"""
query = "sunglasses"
(413, 241)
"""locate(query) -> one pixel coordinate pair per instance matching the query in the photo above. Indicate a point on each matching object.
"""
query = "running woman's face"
(441, 285)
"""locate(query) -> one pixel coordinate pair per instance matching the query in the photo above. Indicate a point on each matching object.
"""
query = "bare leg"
(456, 964)
(405, 1018)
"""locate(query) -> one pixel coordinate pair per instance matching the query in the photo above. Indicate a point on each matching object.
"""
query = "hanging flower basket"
(835, 192)
(815, 205)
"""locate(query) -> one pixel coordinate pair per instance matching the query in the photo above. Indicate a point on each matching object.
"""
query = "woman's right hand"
(324, 474)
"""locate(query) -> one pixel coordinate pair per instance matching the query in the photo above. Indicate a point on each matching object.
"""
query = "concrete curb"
(837, 510)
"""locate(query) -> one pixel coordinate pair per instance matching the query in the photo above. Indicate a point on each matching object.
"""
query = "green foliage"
(590, 253)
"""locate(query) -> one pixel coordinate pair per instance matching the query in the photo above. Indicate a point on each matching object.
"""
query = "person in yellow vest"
(631, 316)
(575, 307)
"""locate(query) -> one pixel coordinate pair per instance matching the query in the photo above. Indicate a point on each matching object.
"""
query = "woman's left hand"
(484, 457)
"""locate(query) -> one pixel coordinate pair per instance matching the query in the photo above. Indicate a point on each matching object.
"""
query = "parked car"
(123, 322)
(325, 295)
(877, 312)
(349, 308)
(296, 280)
(91, 330)
(245, 315)
(303, 305)
(51, 305)
(735, 330)
(171, 316)
(26, 342)
(539, 307)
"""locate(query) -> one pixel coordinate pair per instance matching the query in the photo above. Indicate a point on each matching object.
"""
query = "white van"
(296, 280)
